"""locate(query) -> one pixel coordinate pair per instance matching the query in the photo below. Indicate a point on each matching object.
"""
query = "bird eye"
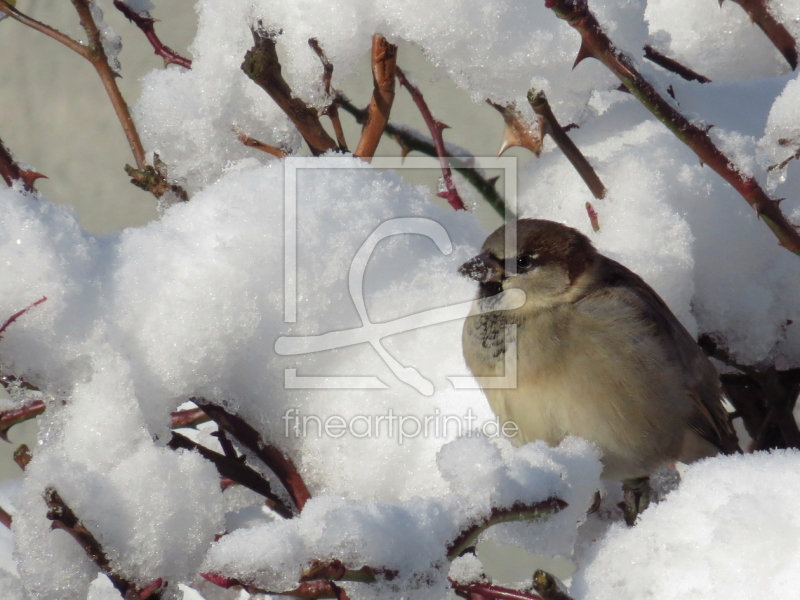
(525, 262)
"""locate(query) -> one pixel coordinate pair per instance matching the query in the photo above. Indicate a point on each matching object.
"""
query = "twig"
(147, 25)
(258, 145)
(778, 34)
(63, 518)
(15, 416)
(384, 62)
(154, 179)
(670, 64)
(332, 110)
(235, 470)
(410, 141)
(99, 61)
(517, 131)
(272, 457)
(94, 53)
(261, 64)
(17, 315)
(541, 106)
(595, 43)
(435, 127)
(10, 171)
(487, 590)
(517, 512)
(191, 417)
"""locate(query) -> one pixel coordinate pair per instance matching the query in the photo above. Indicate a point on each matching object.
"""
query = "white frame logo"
(373, 333)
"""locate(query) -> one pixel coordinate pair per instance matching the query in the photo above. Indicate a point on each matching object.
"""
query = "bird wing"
(709, 419)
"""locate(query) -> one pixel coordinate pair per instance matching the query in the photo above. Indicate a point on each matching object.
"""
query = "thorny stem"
(518, 132)
(517, 512)
(15, 416)
(541, 107)
(435, 127)
(99, 61)
(95, 54)
(670, 64)
(331, 111)
(147, 25)
(595, 43)
(283, 467)
(409, 141)
(384, 62)
(487, 590)
(235, 470)
(10, 171)
(780, 37)
(63, 518)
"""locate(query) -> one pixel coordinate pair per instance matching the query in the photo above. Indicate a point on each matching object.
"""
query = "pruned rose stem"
(541, 107)
(311, 590)
(384, 62)
(408, 141)
(281, 465)
(261, 64)
(332, 110)
(595, 43)
(670, 64)
(777, 33)
(10, 171)
(516, 512)
(147, 25)
(236, 470)
(64, 518)
(435, 127)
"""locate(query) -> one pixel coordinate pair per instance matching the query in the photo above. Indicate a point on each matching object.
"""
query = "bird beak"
(483, 268)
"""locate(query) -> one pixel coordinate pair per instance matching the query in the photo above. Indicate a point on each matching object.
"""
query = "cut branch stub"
(261, 64)
(384, 61)
(597, 44)
(552, 127)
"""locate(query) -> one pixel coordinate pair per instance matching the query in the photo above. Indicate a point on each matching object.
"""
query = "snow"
(727, 532)
(211, 301)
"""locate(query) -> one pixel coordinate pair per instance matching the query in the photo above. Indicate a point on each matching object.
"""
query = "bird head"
(545, 262)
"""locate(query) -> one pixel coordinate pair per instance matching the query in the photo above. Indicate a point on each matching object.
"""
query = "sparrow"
(599, 355)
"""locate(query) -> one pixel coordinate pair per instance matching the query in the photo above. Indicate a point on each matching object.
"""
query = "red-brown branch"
(541, 107)
(64, 518)
(384, 62)
(435, 127)
(147, 25)
(283, 467)
(489, 591)
(332, 110)
(780, 37)
(17, 315)
(259, 145)
(670, 64)
(191, 417)
(5, 518)
(596, 43)
(15, 416)
(261, 64)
